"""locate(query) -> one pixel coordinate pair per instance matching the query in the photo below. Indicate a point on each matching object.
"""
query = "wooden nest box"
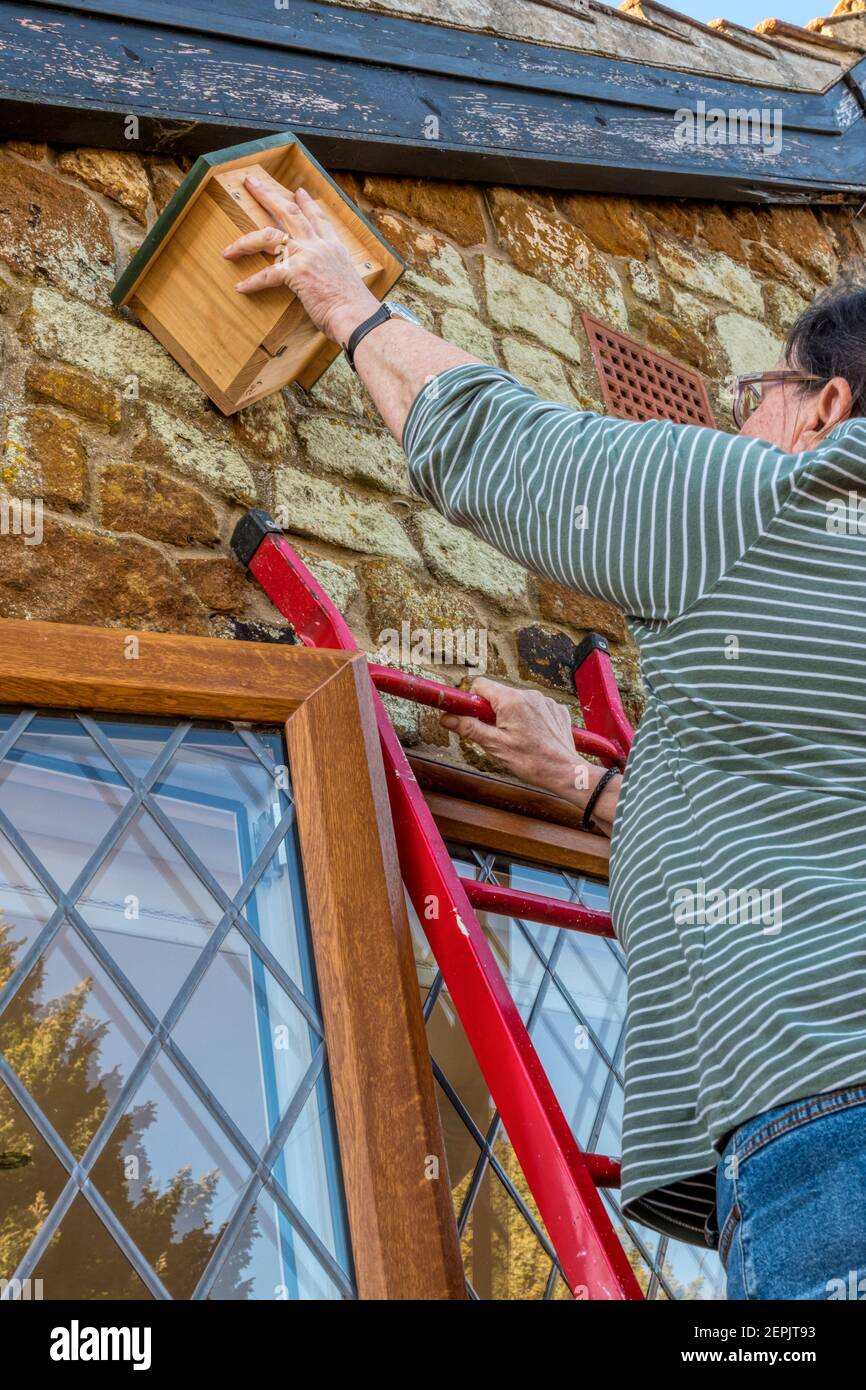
(241, 347)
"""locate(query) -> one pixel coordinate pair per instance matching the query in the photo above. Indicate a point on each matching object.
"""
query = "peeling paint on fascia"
(40, 26)
(847, 111)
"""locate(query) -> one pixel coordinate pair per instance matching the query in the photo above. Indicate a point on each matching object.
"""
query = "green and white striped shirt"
(738, 856)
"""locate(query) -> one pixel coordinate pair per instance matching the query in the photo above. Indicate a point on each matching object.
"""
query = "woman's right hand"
(313, 262)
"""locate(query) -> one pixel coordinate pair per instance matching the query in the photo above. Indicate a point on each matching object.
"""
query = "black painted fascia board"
(508, 111)
(439, 51)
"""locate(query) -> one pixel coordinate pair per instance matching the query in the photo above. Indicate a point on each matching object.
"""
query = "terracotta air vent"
(639, 384)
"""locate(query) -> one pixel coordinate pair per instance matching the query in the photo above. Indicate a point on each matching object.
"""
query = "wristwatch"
(388, 309)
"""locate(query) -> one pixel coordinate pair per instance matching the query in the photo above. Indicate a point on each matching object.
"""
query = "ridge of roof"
(780, 28)
(774, 53)
(849, 23)
(746, 37)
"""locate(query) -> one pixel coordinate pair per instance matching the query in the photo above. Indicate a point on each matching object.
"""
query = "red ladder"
(563, 1179)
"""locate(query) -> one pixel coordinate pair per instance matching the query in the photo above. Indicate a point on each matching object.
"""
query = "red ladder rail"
(562, 1178)
(599, 695)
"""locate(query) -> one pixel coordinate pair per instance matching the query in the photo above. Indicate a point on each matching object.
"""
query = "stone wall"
(142, 480)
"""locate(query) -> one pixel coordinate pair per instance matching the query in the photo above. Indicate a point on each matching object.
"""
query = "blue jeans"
(791, 1198)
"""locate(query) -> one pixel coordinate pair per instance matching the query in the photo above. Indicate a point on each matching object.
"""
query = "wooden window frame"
(518, 836)
(493, 813)
(398, 1196)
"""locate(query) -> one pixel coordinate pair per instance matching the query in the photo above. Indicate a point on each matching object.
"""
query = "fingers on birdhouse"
(274, 197)
(270, 239)
(283, 204)
(266, 279)
(317, 216)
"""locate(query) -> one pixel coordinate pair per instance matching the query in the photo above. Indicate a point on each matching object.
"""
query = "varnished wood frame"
(492, 790)
(520, 836)
(490, 812)
(398, 1194)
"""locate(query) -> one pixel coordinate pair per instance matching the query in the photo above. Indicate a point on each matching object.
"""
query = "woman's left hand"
(532, 736)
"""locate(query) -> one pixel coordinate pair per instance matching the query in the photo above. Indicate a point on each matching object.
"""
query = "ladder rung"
(392, 681)
(604, 1171)
(533, 907)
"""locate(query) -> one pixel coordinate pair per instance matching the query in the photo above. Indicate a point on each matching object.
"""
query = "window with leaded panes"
(166, 1123)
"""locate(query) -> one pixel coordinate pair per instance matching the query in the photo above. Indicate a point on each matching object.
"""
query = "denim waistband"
(761, 1129)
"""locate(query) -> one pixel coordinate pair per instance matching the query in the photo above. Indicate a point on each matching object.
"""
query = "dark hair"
(829, 338)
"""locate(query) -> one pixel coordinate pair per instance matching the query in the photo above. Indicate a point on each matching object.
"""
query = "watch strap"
(382, 315)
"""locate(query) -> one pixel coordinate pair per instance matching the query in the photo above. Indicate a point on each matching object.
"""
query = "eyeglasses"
(748, 390)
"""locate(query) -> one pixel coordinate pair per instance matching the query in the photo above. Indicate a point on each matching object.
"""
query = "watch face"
(401, 312)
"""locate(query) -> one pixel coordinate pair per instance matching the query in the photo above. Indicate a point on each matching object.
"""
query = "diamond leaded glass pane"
(265, 1261)
(171, 1177)
(211, 778)
(83, 1261)
(164, 1091)
(25, 907)
(306, 1173)
(146, 882)
(61, 794)
(70, 1037)
(502, 1255)
(254, 1067)
(32, 1178)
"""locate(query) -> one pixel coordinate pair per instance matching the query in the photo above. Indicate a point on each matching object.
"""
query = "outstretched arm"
(532, 734)
(646, 515)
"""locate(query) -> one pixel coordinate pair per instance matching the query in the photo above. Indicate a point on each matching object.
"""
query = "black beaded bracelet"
(597, 790)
